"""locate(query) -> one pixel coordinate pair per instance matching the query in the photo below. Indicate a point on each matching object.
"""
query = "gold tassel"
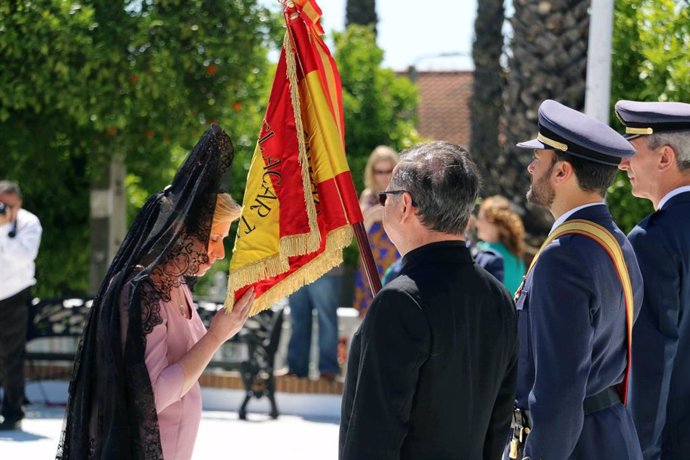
(305, 275)
(298, 245)
(265, 268)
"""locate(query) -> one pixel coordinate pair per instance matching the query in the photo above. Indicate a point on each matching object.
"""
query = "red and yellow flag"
(299, 202)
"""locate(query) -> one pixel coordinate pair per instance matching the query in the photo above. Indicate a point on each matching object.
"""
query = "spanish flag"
(299, 202)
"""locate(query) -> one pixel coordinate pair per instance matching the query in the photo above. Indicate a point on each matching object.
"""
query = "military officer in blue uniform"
(571, 307)
(660, 172)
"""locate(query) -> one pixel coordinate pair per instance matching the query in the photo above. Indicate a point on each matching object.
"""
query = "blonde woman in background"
(377, 175)
(501, 229)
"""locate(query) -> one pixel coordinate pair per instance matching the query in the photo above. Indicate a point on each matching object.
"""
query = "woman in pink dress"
(134, 393)
(179, 348)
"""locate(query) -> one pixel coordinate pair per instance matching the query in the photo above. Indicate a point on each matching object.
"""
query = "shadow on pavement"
(321, 419)
(20, 436)
(259, 417)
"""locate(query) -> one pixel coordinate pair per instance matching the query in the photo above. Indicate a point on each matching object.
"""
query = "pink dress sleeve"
(167, 379)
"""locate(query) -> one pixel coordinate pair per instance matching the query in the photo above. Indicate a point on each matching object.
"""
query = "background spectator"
(20, 237)
(501, 229)
(322, 297)
(377, 174)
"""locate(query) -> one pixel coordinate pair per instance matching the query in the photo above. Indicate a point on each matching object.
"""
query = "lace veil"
(111, 413)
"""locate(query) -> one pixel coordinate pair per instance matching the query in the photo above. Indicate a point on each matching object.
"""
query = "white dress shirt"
(567, 214)
(18, 254)
(672, 193)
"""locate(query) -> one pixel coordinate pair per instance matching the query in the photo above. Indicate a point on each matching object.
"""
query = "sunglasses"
(384, 195)
(382, 171)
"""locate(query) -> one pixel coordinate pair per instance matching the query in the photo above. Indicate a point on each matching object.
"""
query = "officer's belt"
(600, 401)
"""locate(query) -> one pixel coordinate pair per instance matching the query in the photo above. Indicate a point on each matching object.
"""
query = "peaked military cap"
(645, 118)
(566, 130)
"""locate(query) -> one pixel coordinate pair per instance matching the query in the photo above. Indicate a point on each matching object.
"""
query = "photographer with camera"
(20, 236)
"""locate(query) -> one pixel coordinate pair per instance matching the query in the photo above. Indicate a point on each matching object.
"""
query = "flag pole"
(367, 258)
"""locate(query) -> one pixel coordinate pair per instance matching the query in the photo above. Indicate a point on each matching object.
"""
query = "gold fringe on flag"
(330, 258)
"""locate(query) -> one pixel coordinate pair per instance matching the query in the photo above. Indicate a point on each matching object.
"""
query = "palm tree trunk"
(362, 12)
(547, 60)
(486, 103)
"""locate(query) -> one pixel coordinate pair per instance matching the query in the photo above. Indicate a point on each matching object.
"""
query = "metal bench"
(64, 318)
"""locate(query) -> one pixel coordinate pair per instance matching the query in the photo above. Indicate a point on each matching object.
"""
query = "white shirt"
(567, 214)
(17, 255)
(672, 193)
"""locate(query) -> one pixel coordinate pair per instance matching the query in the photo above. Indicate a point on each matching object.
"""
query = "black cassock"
(432, 368)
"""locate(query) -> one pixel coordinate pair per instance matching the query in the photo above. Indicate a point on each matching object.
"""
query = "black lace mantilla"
(111, 412)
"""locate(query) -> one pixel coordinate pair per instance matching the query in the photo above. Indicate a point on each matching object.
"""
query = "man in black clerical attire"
(432, 368)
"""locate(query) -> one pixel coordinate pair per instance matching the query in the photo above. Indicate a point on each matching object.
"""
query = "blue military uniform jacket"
(660, 387)
(491, 261)
(573, 345)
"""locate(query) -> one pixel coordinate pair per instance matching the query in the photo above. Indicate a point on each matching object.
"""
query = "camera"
(3, 209)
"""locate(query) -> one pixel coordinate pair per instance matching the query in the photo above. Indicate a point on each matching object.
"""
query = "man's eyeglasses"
(384, 195)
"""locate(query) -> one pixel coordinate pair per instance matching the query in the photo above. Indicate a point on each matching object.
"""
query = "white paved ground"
(221, 434)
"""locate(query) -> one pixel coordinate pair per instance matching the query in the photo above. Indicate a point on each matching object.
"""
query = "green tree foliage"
(82, 81)
(650, 63)
(547, 59)
(379, 107)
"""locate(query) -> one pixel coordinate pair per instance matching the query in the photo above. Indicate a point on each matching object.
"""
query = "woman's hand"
(225, 325)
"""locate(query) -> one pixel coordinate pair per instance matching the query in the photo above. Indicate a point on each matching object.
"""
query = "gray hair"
(11, 188)
(679, 141)
(444, 184)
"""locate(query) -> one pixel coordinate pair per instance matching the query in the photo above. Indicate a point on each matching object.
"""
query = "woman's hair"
(380, 153)
(227, 209)
(511, 232)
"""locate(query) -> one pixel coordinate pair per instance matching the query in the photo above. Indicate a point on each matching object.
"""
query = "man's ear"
(667, 158)
(562, 171)
(408, 210)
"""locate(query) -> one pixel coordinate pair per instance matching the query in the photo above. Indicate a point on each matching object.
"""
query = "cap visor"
(533, 144)
(629, 137)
